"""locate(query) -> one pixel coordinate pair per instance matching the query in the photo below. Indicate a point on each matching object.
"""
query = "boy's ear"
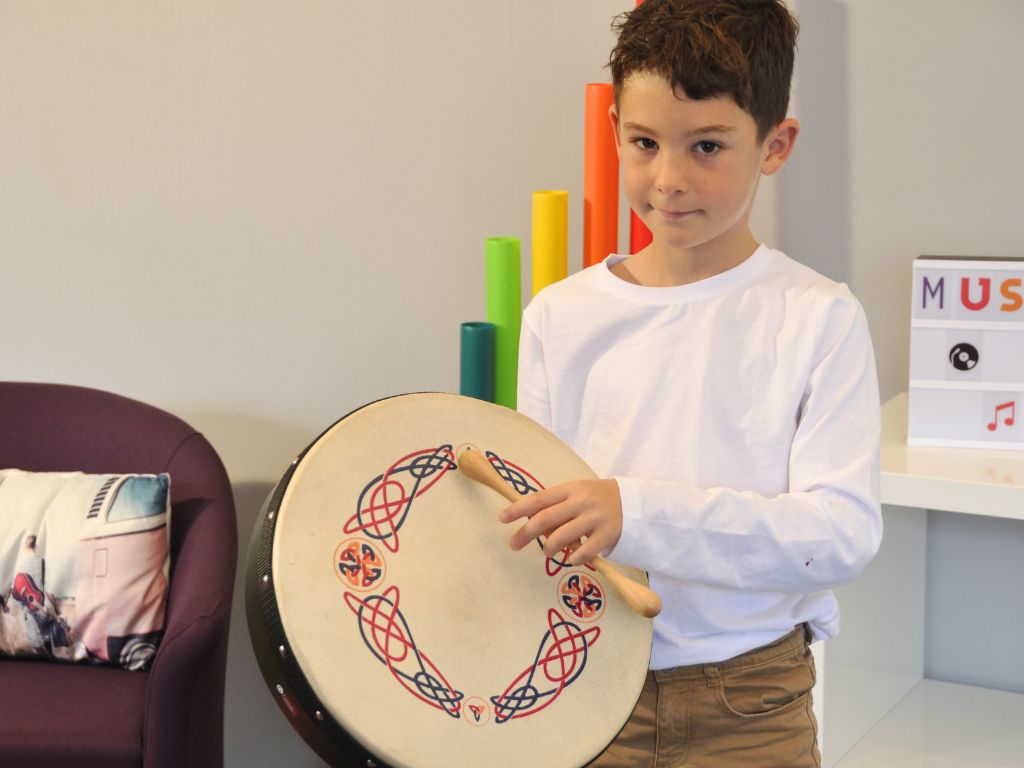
(778, 146)
(613, 115)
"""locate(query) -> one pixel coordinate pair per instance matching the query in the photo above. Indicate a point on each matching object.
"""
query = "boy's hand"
(565, 514)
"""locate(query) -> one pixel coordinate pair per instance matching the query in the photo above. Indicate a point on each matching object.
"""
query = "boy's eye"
(707, 147)
(645, 143)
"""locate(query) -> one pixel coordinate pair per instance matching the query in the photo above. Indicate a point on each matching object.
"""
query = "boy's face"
(690, 168)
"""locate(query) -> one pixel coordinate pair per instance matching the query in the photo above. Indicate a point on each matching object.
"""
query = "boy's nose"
(670, 176)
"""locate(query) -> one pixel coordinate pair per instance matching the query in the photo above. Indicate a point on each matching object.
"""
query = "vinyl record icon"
(963, 356)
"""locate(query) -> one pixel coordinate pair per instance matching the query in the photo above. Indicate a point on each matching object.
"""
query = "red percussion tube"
(639, 235)
(600, 177)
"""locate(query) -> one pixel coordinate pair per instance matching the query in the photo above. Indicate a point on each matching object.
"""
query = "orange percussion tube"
(600, 177)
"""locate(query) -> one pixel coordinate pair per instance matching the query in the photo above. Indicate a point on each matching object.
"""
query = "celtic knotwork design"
(555, 565)
(522, 482)
(387, 635)
(582, 596)
(382, 509)
(360, 565)
(386, 500)
(561, 657)
(477, 712)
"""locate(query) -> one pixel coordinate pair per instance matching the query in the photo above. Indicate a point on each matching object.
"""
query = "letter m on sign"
(937, 291)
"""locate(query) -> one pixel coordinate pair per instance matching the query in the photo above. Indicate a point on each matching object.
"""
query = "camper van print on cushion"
(84, 561)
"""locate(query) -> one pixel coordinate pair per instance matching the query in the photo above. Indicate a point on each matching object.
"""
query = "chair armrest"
(185, 700)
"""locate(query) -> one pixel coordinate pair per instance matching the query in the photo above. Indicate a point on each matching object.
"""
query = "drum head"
(394, 625)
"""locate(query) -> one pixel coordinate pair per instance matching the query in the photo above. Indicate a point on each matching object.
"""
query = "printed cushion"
(84, 561)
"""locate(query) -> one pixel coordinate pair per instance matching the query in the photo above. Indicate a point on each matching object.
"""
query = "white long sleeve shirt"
(739, 416)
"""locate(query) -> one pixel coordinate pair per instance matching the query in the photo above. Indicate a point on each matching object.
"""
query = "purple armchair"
(55, 714)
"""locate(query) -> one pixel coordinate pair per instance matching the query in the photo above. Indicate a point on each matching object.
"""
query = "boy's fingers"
(540, 524)
(586, 552)
(519, 539)
(530, 505)
(567, 535)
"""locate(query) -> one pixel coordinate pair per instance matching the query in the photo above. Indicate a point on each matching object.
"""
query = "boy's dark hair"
(740, 48)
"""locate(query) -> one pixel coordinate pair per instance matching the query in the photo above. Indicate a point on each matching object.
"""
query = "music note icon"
(1007, 420)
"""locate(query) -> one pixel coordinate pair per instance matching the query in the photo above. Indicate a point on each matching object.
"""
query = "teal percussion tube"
(476, 361)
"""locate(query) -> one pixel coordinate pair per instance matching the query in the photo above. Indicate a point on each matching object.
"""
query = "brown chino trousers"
(752, 711)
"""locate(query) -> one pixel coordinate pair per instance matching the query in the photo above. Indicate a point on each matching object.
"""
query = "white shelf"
(944, 725)
(971, 481)
(880, 711)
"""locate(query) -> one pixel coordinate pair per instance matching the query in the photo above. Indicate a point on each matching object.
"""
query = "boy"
(728, 394)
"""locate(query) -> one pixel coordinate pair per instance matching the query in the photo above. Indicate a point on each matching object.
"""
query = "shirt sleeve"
(818, 535)
(532, 398)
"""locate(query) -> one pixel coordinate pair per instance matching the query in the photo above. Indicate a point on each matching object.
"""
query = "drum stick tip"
(463, 449)
(472, 462)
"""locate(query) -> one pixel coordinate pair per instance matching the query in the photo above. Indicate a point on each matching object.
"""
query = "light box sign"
(967, 353)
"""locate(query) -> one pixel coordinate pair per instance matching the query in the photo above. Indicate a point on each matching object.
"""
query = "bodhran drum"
(395, 627)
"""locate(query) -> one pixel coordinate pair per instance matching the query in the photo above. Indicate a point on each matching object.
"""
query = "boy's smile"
(690, 170)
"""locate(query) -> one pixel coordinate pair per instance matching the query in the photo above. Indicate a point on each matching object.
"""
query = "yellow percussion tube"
(550, 237)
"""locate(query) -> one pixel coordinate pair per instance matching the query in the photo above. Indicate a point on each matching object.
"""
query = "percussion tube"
(550, 237)
(640, 598)
(504, 310)
(600, 177)
(476, 361)
(639, 235)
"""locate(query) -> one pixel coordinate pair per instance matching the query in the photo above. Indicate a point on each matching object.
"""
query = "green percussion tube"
(504, 310)
(476, 361)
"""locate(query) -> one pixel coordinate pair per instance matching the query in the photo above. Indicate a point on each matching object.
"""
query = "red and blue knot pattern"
(383, 508)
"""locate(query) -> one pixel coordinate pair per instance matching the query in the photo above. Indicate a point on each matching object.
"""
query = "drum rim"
(290, 688)
(281, 672)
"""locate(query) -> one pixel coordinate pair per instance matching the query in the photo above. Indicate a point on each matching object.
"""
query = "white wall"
(936, 103)
(261, 215)
(814, 214)
(936, 92)
(919, 102)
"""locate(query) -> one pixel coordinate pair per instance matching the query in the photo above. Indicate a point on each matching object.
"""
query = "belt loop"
(712, 675)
